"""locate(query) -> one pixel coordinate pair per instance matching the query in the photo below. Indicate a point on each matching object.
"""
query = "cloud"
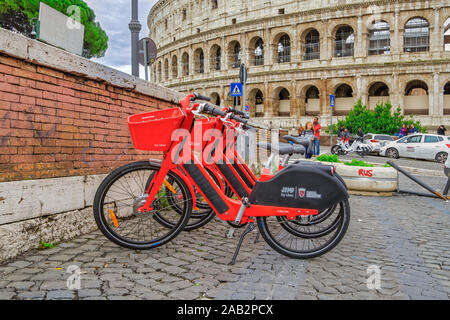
(114, 17)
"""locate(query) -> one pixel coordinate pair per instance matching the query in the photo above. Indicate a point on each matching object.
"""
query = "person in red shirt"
(317, 127)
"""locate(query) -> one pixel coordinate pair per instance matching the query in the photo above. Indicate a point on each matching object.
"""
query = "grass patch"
(47, 245)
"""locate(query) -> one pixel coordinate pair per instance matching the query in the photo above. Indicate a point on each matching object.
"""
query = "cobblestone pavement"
(407, 237)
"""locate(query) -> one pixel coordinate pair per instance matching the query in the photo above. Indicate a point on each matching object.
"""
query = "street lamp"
(135, 28)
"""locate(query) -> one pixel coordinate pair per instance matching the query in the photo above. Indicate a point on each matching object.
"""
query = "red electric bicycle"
(135, 205)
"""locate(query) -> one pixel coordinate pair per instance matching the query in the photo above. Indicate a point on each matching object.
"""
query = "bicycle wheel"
(120, 195)
(293, 246)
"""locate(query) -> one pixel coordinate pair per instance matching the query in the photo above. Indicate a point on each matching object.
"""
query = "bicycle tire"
(105, 228)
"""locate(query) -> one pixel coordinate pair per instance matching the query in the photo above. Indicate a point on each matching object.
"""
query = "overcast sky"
(114, 17)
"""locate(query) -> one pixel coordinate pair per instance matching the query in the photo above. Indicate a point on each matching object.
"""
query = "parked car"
(376, 141)
(419, 146)
(447, 167)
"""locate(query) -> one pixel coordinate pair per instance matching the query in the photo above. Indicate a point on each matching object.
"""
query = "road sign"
(151, 51)
(236, 89)
(246, 108)
(332, 100)
(243, 73)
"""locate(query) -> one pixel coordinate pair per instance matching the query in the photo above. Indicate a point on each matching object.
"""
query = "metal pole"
(331, 126)
(146, 58)
(135, 28)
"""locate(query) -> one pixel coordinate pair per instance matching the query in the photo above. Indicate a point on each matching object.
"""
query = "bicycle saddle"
(298, 140)
(283, 148)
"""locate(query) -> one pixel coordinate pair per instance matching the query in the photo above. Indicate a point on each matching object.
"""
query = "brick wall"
(55, 124)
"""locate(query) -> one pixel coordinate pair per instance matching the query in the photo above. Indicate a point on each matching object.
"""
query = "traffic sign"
(151, 51)
(236, 89)
(332, 100)
(246, 108)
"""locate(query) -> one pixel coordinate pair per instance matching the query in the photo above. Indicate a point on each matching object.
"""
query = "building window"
(417, 35)
(344, 42)
(214, 4)
(199, 61)
(284, 49)
(281, 11)
(259, 52)
(184, 14)
(165, 23)
(185, 64)
(447, 35)
(174, 67)
(233, 21)
(344, 91)
(235, 54)
(312, 45)
(216, 58)
(166, 69)
(379, 38)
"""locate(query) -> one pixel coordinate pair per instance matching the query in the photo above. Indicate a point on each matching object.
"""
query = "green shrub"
(383, 120)
(359, 163)
(328, 158)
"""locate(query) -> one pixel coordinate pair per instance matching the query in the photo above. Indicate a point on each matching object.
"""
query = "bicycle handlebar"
(240, 113)
(198, 96)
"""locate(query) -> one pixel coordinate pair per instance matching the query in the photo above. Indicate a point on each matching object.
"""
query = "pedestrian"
(300, 130)
(408, 128)
(317, 127)
(413, 129)
(360, 133)
(341, 132)
(403, 131)
(309, 133)
(441, 130)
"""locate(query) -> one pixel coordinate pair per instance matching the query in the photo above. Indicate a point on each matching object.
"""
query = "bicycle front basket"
(152, 131)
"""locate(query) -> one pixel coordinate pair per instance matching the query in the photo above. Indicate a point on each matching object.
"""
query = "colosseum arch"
(311, 95)
(185, 64)
(416, 99)
(282, 47)
(199, 61)
(311, 44)
(416, 37)
(379, 38)
(344, 99)
(166, 69)
(215, 98)
(255, 100)
(378, 93)
(174, 67)
(282, 102)
(447, 98)
(256, 51)
(344, 41)
(234, 54)
(447, 34)
(215, 56)
(159, 71)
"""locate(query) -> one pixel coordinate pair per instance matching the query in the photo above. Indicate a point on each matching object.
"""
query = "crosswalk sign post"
(332, 105)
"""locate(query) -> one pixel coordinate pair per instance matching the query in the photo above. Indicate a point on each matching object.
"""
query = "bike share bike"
(345, 146)
(146, 204)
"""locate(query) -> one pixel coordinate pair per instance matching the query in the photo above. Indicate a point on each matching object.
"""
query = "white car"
(419, 146)
(447, 167)
(377, 141)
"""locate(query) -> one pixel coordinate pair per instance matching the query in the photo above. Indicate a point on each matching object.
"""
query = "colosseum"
(299, 52)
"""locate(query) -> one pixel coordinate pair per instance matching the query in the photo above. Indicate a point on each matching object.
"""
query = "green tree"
(15, 15)
(381, 120)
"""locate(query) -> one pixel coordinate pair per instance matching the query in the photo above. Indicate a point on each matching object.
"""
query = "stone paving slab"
(407, 237)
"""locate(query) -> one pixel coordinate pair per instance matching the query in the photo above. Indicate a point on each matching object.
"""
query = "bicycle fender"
(297, 186)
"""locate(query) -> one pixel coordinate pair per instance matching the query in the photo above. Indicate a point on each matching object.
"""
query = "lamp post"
(135, 28)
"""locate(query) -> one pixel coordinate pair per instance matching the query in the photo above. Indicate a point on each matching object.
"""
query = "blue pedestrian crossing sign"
(236, 89)
(332, 100)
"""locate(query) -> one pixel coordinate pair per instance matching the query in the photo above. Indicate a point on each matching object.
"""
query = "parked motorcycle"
(345, 146)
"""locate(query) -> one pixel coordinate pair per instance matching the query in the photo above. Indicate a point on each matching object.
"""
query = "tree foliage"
(382, 119)
(16, 15)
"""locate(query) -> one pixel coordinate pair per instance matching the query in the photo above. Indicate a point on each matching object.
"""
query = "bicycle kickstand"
(257, 237)
(247, 230)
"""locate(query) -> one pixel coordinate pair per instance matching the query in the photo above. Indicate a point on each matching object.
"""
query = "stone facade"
(300, 52)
